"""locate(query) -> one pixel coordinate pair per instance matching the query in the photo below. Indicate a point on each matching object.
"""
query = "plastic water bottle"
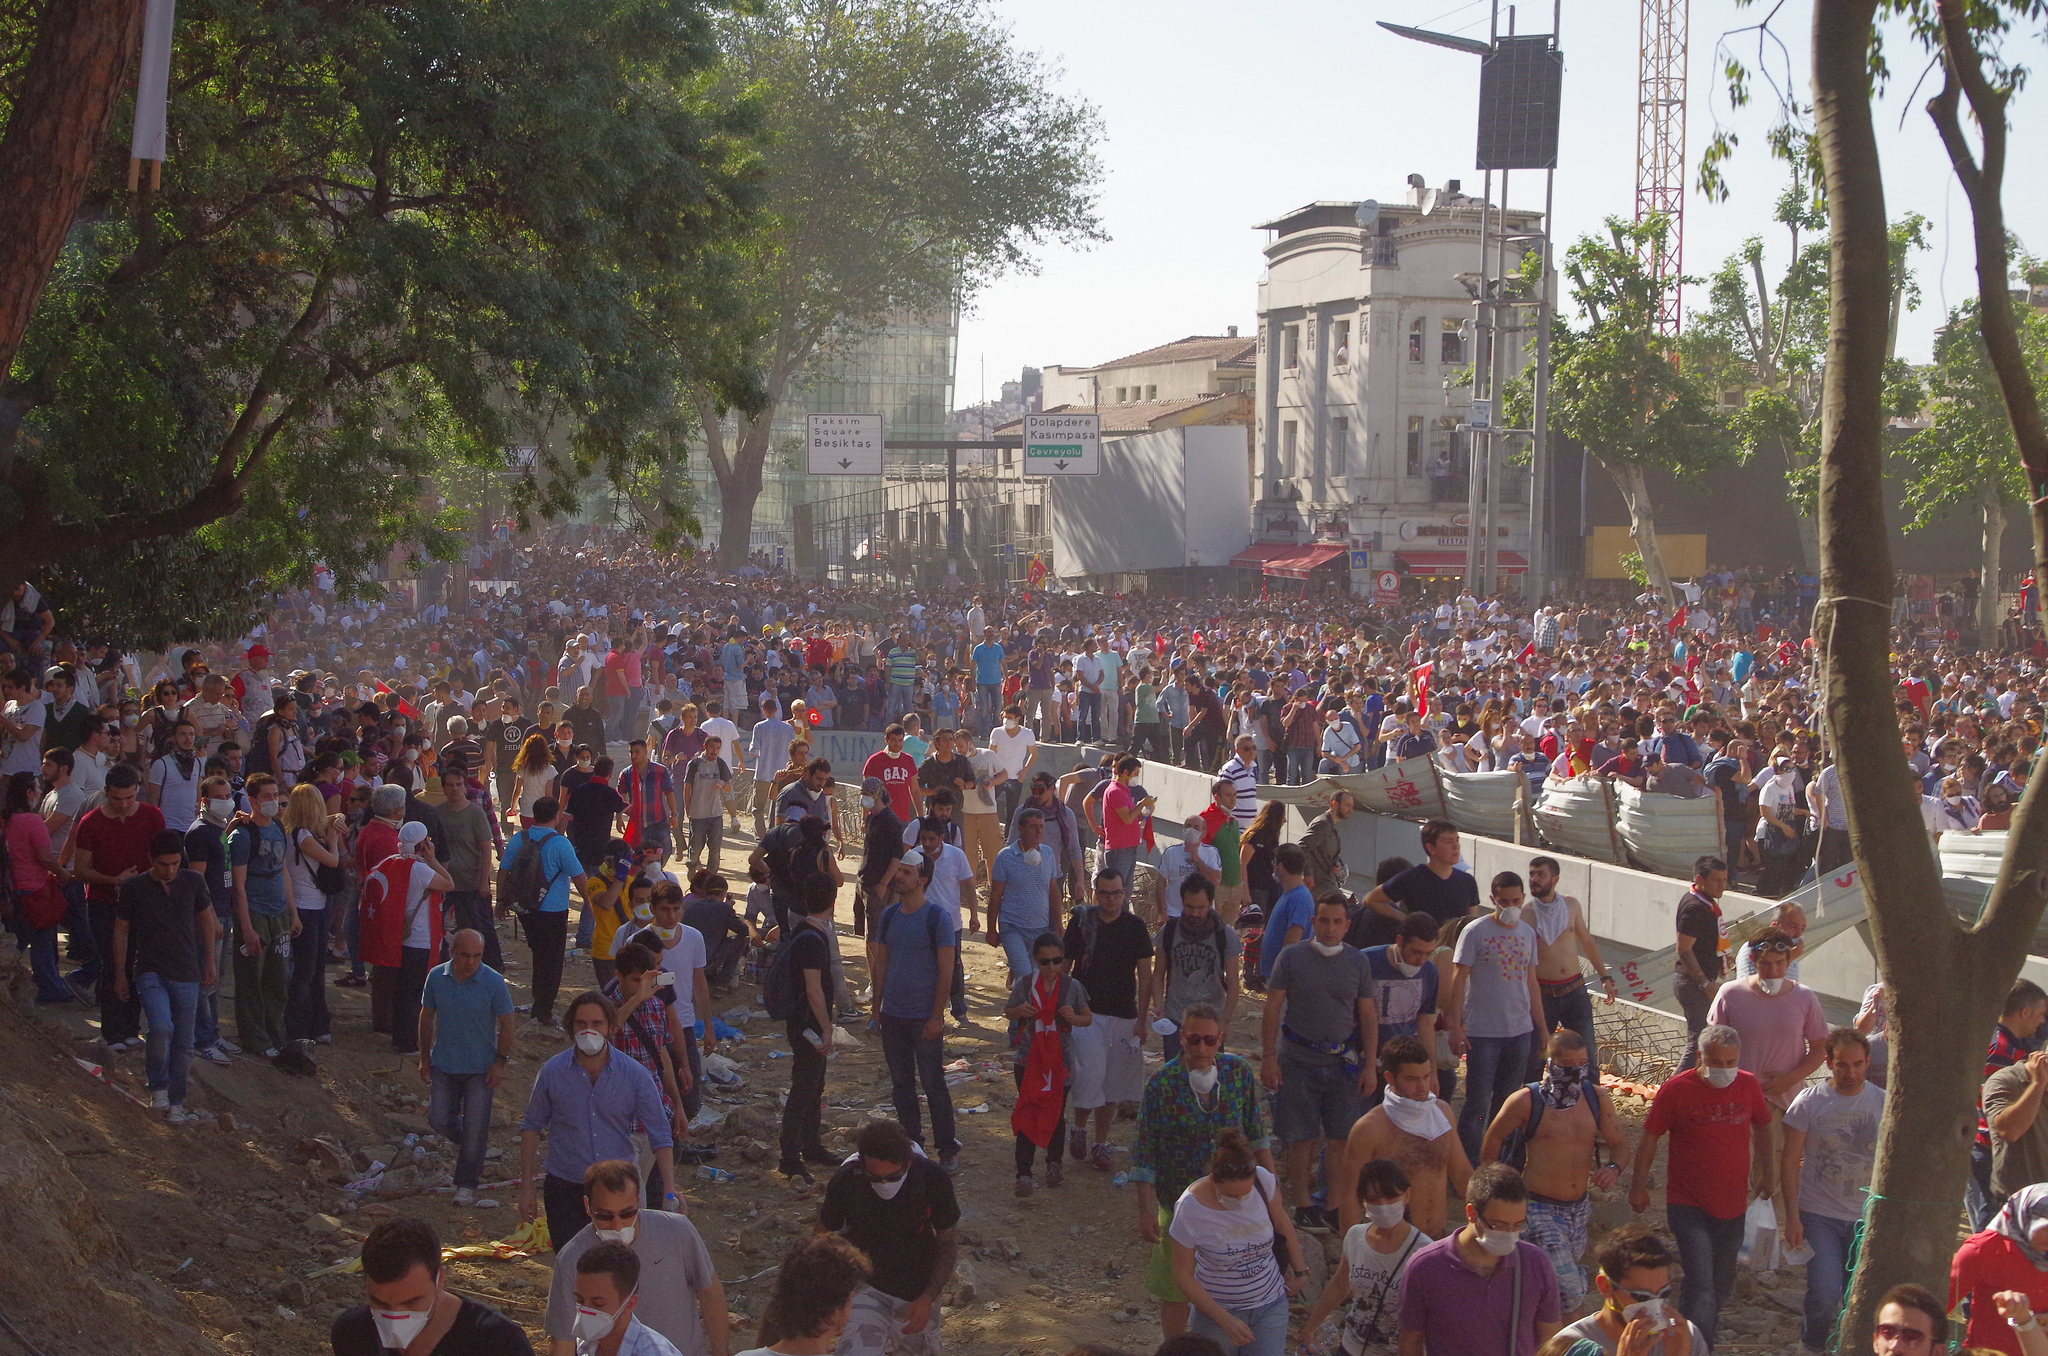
(711, 1174)
(1120, 1180)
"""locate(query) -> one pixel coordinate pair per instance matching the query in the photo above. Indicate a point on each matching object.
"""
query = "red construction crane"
(1660, 144)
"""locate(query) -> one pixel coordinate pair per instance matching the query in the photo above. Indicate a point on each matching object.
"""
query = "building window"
(1120, 393)
(1340, 446)
(1453, 343)
(1289, 446)
(1034, 520)
(1290, 347)
(1340, 344)
(1414, 465)
(1151, 392)
(1415, 342)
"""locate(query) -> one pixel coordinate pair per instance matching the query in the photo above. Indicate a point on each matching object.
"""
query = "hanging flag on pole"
(1420, 680)
(1677, 620)
(1527, 655)
(1035, 573)
(405, 707)
(152, 92)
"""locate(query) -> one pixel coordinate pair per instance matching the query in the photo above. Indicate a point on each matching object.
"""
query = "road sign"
(843, 444)
(1062, 444)
(1386, 589)
(1482, 414)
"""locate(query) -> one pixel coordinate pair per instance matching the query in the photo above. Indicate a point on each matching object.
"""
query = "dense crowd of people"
(375, 789)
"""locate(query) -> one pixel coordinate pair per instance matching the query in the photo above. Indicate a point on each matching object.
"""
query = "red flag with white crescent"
(1041, 1093)
(1527, 655)
(1420, 680)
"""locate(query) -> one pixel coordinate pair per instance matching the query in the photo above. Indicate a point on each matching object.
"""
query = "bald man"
(465, 1044)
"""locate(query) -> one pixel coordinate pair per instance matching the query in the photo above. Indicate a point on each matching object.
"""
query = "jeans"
(1493, 1070)
(1268, 1325)
(802, 1113)
(1017, 942)
(260, 985)
(41, 946)
(562, 1203)
(1707, 1248)
(1977, 1191)
(913, 1060)
(1301, 766)
(1123, 861)
(472, 910)
(169, 1005)
(547, 934)
(206, 1025)
(988, 701)
(1571, 1007)
(395, 997)
(707, 837)
(1693, 1000)
(1088, 716)
(119, 1020)
(1827, 1275)
(460, 1111)
(305, 1009)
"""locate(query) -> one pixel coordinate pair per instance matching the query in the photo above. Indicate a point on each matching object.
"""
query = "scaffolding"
(1660, 145)
(896, 532)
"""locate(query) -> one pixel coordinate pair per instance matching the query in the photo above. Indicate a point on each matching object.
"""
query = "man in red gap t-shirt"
(1715, 1113)
(898, 771)
(109, 845)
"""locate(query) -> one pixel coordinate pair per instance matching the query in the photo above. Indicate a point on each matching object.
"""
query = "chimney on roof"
(1233, 332)
(1451, 187)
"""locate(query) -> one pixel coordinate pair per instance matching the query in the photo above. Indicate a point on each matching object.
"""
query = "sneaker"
(228, 1047)
(214, 1053)
(179, 1115)
(160, 1100)
(1099, 1159)
(273, 1052)
(820, 1157)
(949, 1163)
(465, 1196)
(1055, 1174)
(1025, 1186)
(121, 1047)
(325, 1040)
(80, 992)
(1077, 1143)
(1309, 1218)
(796, 1173)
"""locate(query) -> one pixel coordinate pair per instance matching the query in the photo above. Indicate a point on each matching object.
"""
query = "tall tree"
(1616, 387)
(388, 236)
(915, 154)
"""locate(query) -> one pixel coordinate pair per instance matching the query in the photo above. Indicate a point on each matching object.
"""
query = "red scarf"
(1042, 1095)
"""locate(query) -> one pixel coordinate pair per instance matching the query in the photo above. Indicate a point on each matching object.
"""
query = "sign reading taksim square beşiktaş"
(843, 444)
(1062, 444)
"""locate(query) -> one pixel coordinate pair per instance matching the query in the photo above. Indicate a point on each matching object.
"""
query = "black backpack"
(526, 880)
(780, 998)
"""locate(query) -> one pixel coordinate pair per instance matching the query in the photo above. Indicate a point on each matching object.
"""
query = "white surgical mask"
(1499, 1242)
(1655, 1310)
(623, 1234)
(1511, 915)
(590, 1042)
(887, 1190)
(1203, 1081)
(396, 1328)
(1386, 1214)
(1771, 985)
(1720, 1078)
(1405, 968)
(1033, 856)
(593, 1325)
(867, 802)
(267, 808)
(1012, 726)
(218, 808)
(1330, 949)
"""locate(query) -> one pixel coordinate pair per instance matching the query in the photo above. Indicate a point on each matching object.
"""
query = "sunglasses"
(1046, 961)
(1774, 948)
(1642, 1296)
(1895, 1332)
(1201, 1040)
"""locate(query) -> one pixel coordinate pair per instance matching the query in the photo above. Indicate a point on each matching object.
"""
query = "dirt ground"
(206, 1238)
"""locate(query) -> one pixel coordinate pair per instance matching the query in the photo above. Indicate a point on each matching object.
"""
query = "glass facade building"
(902, 371)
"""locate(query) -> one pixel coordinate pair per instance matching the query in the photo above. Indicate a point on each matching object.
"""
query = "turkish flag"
(1528, 654)
(1677, 620)
(1041, 1094)
(1420, 679)
(405, 707)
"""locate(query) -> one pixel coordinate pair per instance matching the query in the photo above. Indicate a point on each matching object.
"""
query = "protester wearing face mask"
(1223, 1230)
(881, 846)
(1451, 1301)
(607, 1300)
(1016, 749)
(1410, 1125)
(1712, 1112)
(1633, 1277)
(686, 1311)
(1020, 897)
(410, 1308)
(1494, 1007)
(587, 1100)
(898, 1207)
(1187, 1104)
(206, 851)
(1784, 1037)
(1376, 1254)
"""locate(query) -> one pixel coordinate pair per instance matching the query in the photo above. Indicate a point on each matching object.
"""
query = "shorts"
(1159, 1282)
(1315, 1101)
(1560, 1230)
(1107, 1069)
(874, 1327)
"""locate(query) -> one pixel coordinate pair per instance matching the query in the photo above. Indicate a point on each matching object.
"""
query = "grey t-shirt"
(1497, 991)
(1588, 1329)
(1195, 966)
(701, 799)
(1841, 1147)
(1322, 997)
(674, 1266)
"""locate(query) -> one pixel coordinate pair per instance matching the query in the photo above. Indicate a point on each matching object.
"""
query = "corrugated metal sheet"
(1973, 856)
(1669, 833)
(1573, 817)
(1482, 802)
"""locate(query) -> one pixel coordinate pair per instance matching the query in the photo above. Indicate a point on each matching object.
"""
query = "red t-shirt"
(1709, 1129)
(117, 844)
(615, 679)
(898, 772)
(1986, 1264)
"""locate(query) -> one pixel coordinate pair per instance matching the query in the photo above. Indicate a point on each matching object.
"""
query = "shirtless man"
(1561, 933)
(1410, 1127)
(1561, 1157)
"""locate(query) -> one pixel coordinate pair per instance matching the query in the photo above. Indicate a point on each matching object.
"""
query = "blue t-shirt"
(262, 851)
(558, 861)
(466, 1016)
(911, 985)
(1402, 999)
(1295, 908)
(988, 664)
(206, 851)
(1027, 889)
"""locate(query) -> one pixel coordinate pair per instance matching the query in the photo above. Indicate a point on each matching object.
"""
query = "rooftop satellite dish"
(1429, 197)
(1367, 213)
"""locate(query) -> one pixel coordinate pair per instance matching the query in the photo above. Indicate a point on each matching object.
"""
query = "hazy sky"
(1219, 116)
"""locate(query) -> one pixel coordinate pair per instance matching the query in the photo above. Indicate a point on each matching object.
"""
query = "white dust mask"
(590, 1042)
(1203, 1081)
(1386, 1214)
(623, 1234)
(1771, 986)
(1720, 1078)
(1326, 949)
(1654, 1310)
(1033, 856)
(218, 808)
(1011, 725)
(887, 1190)
(396, 1328)
(1410, 971)
(1511, 915)
(593, 1325)
(1499, 1242)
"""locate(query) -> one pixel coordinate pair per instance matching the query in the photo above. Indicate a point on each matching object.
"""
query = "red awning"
(1453, 562)
(1304, 559)
(1255, 556)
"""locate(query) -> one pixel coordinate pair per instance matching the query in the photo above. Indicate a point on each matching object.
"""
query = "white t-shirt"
(1012, 749)
(1175, 866)
(949, 873)
(179, 799)
(976, 801)
(1841, 1147)
(683, 957)
(730, 750)
(415, 907)
(1233, 1247)
(24, 755)
(1372, 1324)
(301, 866)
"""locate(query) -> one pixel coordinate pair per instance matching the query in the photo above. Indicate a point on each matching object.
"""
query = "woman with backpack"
(315, 841)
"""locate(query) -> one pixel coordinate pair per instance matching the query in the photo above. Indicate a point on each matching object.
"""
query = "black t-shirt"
(507, 735)
(900, 1235)
(591, 807)
(1106, 957)
(808, 951)
(1699, 920)
(713, 919)
(952, 774)
(1421, 890)
(163, 934)
(478, 1330)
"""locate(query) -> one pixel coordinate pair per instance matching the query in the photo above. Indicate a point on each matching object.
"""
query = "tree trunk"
(739, 486)
(59, 119)
(1989, 615)
(1642, 523)
(1945, 983)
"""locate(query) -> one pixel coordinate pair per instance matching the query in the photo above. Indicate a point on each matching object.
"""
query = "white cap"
(411, 833)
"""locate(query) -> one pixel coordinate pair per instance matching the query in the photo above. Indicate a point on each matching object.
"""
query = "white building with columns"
(1365, 340)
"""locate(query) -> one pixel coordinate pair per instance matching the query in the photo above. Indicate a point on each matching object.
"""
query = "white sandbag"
(1667, 833)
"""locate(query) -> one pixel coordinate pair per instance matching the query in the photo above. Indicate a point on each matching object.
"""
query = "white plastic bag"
(1760, 1236)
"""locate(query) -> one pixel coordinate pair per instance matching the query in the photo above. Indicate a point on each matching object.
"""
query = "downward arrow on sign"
(844, 463)
(1059, 466)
